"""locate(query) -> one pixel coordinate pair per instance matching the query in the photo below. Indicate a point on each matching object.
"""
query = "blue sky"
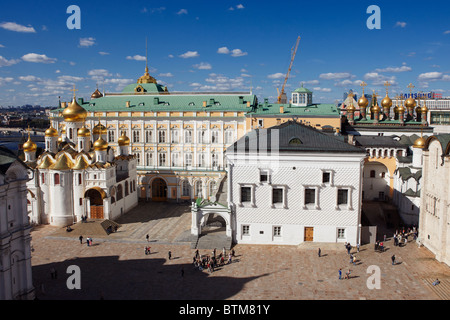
(221, 46)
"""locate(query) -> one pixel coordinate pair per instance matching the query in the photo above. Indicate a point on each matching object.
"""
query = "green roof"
(329, 110)
(147, 87)
(170, 102)
(302, 90)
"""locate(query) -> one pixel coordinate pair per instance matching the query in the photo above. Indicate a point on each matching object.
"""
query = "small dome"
(376, 108)
(97, 94)
(74, 112)
(100, 129)
(424, 109)
(386, 102)
(363, 102)
(100, 145)
(29, 146)
(63, 163)
(146, 78)
(410, 103)
(83, 132)
(419, 143)
(400, 109)
(351, 108)
(51, 132)
(123, 140)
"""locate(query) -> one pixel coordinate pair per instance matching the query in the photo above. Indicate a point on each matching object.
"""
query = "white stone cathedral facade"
(79, 174)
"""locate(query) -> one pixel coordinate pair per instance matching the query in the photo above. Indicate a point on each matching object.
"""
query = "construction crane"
(282, 95)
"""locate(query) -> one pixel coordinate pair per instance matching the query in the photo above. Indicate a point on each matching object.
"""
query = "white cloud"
(433, 76)
(168, 75)
(6, 63)
(336, 76)
(447, 32)
(218, 82)
(102, 53)
(395, 69)
(238, 53)
(171, 56)
(223, 50)
(312, 82)
(99, 74)
(29, 78)
(240, 6)
(5, 80)
(2, 46)
(120, 83)
(58, 71)
(70, 78)
(400, 24)
(203, 66)
(278, 75)
(38, 58)
(189, 54)
(137, 58)
(322, 89)
(379, 79)
(87, 42)
(12, 26)
(182, 11)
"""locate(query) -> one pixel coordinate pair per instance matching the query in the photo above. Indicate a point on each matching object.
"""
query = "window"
(277, 195)
(111, 136)
(245, 230)
(162, 159)
(341, 233)
(326, 177)
(81, 201)
(199, 189)
(295, 98)
(188, 159)
(260, 123)
(212, 188)
(215, 136)
(372, 173)
(126, 188)
(342, 196)
(136, 136)
(215, 160)
(246, 194)
(79, 179)
(201, 136)
(310, 196)
(277, 231)
(148, 136)
(43, 178)
(263, 176)
(229, 137)
(138, 158)
(56, 179)
(201, 160)
(149, 159)
(175, 136)
(175, 159)
(162, 136)
(188, 136)
(186, 189)
(383, 175)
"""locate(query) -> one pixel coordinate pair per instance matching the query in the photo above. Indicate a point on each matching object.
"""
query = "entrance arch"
(377, 182)
(96, 196)
(201, 212)
(159, 190)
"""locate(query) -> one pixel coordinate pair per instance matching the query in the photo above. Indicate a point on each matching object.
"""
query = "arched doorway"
(159, 190)
(96, 196)
(376, 182)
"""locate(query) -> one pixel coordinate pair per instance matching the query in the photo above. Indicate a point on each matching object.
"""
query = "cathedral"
(78, 174)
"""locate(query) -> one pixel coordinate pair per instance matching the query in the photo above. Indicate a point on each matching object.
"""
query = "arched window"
(198, 189)
(186, 189)
(372, 173)
(162, 136)
(212, 188)
(56, 179)
(119, 192)
(126, 188)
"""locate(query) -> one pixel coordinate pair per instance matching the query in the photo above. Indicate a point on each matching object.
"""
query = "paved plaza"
(116, 266)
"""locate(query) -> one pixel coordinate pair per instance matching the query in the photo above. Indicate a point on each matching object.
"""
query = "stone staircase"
(442, 290)
(109, 223)
(211, 241)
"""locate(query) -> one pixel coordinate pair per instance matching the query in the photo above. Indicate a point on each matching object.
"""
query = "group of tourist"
(210, 262)
(401, 237)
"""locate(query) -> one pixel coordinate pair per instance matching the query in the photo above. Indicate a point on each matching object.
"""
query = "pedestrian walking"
(147, 237)
(347, 274)
(340, 274)
(393, 259)
(354, 260)
(319, 253)
(170, 255)
(357, 247)
(81, 239)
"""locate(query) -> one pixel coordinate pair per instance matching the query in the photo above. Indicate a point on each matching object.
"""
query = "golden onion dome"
(410, 103)
(351, 108)
(46, 163)
(83, 132)
(123, 140)
(386, 102)
(51, 132)
(375, 109)
(363, 102)
(400, 109)
(419, 143)
(424, 109)
(74, 112)
(99, 129)
(29, 146)
(60, 139)
(97, 94)
(100, 145)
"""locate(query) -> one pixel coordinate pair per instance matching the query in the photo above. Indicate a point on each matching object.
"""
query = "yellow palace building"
(180, 138)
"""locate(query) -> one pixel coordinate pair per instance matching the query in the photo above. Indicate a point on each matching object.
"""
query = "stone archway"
(96, 196)
(159, 189)
(378, 181)
(201, 213)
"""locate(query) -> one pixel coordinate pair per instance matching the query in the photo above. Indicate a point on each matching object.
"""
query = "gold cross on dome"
(387, 85)
(363, 86)
(74, 90)
(410, 87)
